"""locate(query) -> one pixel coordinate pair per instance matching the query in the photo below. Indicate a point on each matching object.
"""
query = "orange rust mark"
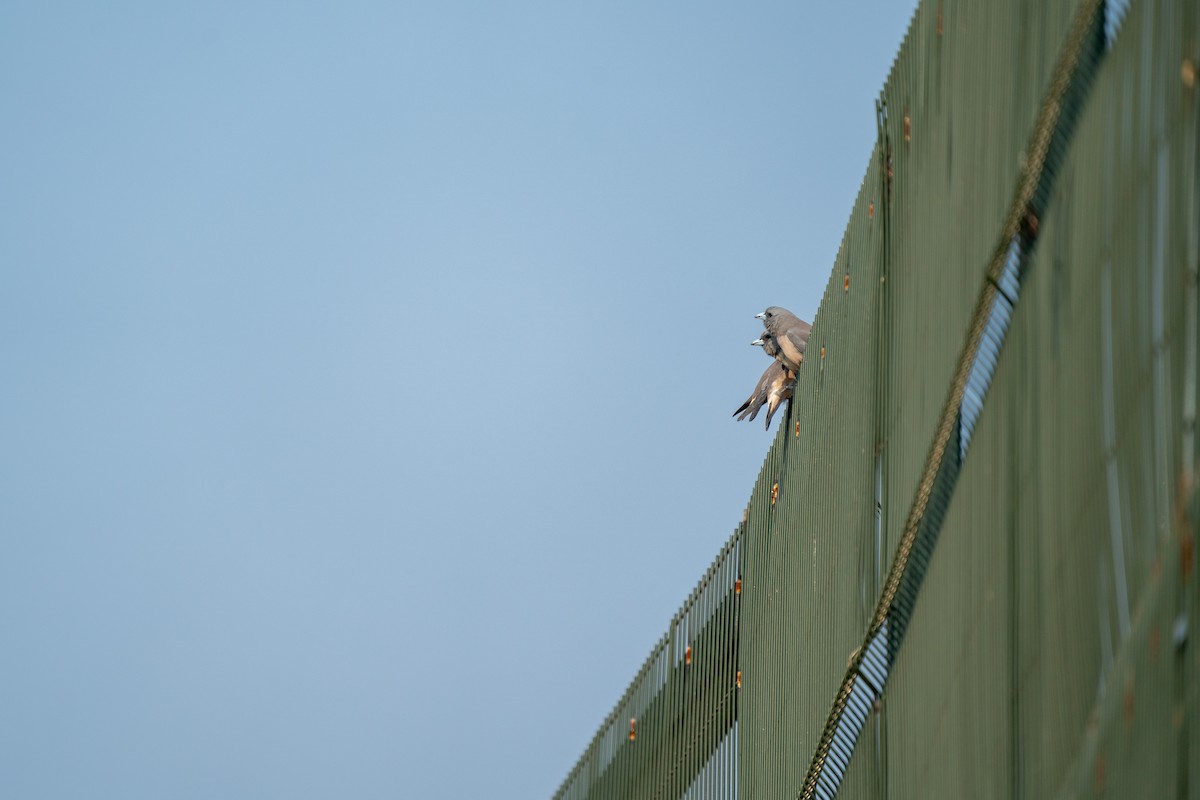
(739, 679)
(774, 493)
(632, 728)
(1183, 522)
(1030, 224)
(737, 586)
(1187, 555)
(846, 286)
(687, 656)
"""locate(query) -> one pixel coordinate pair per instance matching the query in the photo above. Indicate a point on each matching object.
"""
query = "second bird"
(773, 387)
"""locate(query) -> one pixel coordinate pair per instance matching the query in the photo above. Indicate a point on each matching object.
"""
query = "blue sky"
(368, 370)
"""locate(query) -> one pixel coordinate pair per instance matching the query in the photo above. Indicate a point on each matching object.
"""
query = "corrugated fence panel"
(1042, 657)
(960, 105)
(813, 552)
(958, 149)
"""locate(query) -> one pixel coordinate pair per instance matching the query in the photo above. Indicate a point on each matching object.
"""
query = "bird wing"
(791, 352)
(798, 337)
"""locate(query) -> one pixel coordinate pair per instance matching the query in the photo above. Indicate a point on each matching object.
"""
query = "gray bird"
(773, 388)
(778, 390)
(768, 344)
(790, 334)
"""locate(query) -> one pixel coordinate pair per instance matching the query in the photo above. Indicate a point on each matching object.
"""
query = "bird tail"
(771, 411)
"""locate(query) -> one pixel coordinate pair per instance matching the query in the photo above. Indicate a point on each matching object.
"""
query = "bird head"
(771, 313)
(777, 318)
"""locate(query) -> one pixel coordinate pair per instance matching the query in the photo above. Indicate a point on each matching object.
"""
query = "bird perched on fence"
(790, 334)
(773, 387)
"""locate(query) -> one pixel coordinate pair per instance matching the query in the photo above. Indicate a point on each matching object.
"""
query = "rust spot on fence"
(1127, 702)
(1187, 554)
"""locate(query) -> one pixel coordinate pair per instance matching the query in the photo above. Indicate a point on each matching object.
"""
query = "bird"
(773, 387)
(778, 390)
(790, 334)
(761, 391)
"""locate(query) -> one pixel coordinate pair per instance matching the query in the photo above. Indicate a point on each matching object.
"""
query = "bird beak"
(763, 315)
(759, 342)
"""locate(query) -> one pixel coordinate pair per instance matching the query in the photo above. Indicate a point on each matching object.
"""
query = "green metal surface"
(1057, 577)
(1052, 650)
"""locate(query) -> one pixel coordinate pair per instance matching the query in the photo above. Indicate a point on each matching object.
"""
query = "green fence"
(967, 566)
